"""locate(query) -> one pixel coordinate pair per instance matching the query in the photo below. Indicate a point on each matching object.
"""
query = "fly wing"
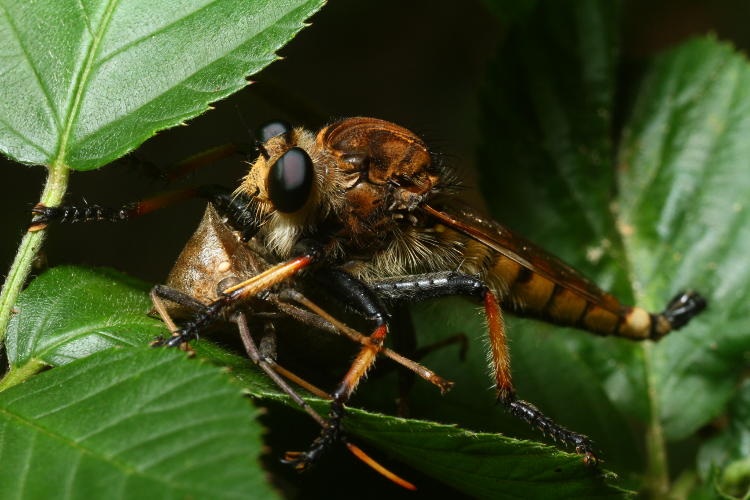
(520, 250)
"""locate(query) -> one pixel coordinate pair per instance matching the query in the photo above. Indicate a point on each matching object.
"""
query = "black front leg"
(354, 293)
(44, 215)
(428, 286)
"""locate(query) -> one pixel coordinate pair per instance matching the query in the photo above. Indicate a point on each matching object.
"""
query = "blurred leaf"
(732, 444)
(685, 218)
(674, 216)
(131, 423)
(710, 490)
(480, 462)
(546, 165)
(92, 80)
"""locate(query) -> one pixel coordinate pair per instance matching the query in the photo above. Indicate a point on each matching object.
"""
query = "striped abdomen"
(527, 292)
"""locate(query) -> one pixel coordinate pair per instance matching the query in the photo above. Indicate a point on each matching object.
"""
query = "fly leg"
(358, 295)
(309, 252)
(319, 318)
(159, 293)
(263, 363)
(405, 342)
(265, 352)
(234, 207)
(43, 214)
(272, 370)
(421, 287)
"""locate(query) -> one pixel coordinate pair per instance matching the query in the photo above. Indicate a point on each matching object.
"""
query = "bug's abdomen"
(527, 293)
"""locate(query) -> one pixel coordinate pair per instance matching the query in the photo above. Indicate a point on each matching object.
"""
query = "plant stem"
(657, 470)
(17, 375)
(54, 190)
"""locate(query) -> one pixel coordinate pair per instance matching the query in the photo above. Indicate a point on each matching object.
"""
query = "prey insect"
(364, 208)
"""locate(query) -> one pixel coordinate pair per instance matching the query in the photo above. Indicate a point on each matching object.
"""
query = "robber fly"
(364, 208)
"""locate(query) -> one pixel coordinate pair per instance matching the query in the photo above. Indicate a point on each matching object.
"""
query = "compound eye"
(273, 129)
(290, 180)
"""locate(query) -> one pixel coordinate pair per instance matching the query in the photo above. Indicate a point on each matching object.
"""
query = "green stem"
(19, 374)
(54, 190)
(657, 470)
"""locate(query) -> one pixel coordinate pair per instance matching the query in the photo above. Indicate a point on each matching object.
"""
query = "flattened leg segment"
(499, 347)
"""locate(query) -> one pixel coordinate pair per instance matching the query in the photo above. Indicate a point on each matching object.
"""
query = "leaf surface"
(661, 210)
(129, 423)
(120, 71)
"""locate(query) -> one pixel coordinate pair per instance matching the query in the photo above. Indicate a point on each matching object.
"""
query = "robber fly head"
(362, 174)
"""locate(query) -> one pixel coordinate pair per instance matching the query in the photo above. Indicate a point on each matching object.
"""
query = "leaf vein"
(34, 70)
(82, 80)
(124, 467)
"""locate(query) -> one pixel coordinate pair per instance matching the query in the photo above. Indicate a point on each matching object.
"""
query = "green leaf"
(92, 80)
(481, 462)
(732, 444)
(546, 164)
(686, 221)
(131, 423)
(670, 214)
(482, 465)
(55, 325)
(70, 312)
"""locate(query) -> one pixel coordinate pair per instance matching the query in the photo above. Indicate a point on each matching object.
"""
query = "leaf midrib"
(82, 82)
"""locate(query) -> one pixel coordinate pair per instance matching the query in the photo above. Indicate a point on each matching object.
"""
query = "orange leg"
(273, 370)
(332, 432)
(499, 348)
(340, 327)
(506, 393)
(234, 294)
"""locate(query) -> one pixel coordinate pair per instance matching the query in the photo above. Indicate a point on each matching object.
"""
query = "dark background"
(420, 64)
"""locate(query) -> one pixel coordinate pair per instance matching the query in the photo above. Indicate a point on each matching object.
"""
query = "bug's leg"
(236, 207)
(252, 351)
(322, 320)
(506, 393)
(309, 253)
(43, 214)
(451, 283)
(164, 292)
(272, 370)
(186, 166)
(160, 293)
(358, 295)
(405, 342)
(200, 160)
(161, 309)
(267, 352)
